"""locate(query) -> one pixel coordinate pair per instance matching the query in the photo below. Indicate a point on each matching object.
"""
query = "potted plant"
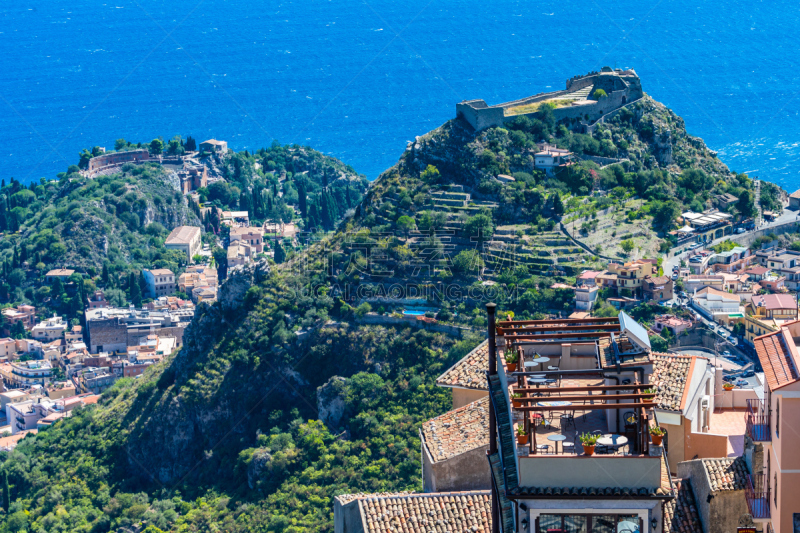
(657, 434)
(588, 440)
(511, 361)
(522, 437)
(515, 399)
(727, 386)
(652, 393)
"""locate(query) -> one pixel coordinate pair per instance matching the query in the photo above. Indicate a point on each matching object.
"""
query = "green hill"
(225, 434)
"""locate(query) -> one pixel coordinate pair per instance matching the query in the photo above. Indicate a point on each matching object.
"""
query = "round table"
(529, 364)
(557, 439)
(613, 441)
(540, 360)
(537, 381)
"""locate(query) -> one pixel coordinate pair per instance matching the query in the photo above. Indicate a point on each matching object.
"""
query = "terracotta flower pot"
(511, 367)
(657, 439)
(588, 449)
(522, 440)
(516, 403)
(647, 400)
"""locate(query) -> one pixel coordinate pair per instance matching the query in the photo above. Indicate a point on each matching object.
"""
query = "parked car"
(739, 231)
(674, 277)
(731, 339)
(742, 383)
(729, 379)
(726, 353)
(748, 374)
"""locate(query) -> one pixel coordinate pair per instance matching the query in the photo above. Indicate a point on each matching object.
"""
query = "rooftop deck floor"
(730, 422)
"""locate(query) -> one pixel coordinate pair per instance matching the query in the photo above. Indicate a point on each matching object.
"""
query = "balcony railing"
(756, 492)
(758, 420)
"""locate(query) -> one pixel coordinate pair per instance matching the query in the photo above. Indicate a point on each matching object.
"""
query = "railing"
(757, 498)
(758, 421)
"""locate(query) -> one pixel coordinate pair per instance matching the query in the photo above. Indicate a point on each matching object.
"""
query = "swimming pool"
(413, 313)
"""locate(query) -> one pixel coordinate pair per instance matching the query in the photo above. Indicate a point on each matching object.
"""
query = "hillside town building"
(159, 282)
(185, 239)
(114, 329)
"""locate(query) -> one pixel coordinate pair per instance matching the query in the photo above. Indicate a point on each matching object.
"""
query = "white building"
(160, 282)
(585, 296)
(550, 158)
(29, 373)
(51, 329)
(711, 301)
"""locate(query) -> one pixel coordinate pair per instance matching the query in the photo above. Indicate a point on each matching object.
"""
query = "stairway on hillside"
(582, 94)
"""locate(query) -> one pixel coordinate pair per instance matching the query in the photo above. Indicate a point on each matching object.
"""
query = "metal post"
(490, 310)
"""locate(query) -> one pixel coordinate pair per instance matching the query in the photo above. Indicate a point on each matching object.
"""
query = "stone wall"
(467, 471)
(621, 88)
(719, 511)
(111, 334)
(374, 318)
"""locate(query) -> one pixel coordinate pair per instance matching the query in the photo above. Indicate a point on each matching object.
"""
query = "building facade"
(185, 239)
(159, 281)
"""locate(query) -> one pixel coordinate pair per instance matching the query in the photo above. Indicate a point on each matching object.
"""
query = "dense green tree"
(156, 146)
(280, 253)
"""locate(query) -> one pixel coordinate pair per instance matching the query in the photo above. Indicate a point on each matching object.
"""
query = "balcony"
(758, 421)
(756, 493)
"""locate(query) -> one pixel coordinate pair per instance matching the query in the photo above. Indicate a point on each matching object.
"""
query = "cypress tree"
(6, 493)
(302, 198)
(280, 253)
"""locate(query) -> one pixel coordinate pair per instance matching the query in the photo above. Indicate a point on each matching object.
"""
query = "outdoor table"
(612, 441)
(554, 404)
(537, 381)
(556, 439)
(540, 360)
(627, 527)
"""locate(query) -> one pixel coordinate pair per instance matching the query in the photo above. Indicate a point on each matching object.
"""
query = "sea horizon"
(357, 80)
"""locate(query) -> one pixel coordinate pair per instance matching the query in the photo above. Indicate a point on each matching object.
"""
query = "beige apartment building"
(185, 239)
(251, 235)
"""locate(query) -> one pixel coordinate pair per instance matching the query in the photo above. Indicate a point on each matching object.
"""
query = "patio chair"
(544, 449)
(597, 432)
(570, 447)
(602, 450)
(567, 419)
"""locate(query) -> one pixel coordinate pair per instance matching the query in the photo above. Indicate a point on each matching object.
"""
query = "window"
(585, 523)
(775, 497)
(778, 417)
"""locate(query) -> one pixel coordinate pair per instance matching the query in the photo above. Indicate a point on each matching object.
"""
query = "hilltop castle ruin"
(576, 104)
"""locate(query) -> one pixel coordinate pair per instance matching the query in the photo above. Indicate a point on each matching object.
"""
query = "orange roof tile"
(457, 431)
(776, 359)
(470, 371)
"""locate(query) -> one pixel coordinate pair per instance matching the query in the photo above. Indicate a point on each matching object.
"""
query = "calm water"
(357, 79)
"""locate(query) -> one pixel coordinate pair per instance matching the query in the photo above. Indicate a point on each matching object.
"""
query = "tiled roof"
(775, 301)
(470, 372)
(457, 431)
(727, 473)
(680, 514)
(347, 498)
(795, 194)
(722, 294)
(658, 280)
(182, 235)
(671, 374)
(757, 270)
(776, 360)
(442, 511)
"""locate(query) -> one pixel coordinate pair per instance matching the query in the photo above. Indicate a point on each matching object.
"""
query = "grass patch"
(534, 107)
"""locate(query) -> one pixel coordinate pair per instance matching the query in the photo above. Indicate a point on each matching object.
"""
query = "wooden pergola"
(636, 401)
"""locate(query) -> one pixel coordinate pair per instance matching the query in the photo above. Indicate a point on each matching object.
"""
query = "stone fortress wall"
(621, 86)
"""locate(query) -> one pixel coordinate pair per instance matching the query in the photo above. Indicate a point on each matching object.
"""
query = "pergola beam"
(583, 398)
(584, 407)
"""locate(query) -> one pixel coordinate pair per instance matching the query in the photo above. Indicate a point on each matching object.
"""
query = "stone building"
(114, 329)
(718, 487)
(192, 178)
(585, 107)
(454, 449)
(214, 146)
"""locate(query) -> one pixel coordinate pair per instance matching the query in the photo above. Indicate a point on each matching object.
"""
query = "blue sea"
(357, 79)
